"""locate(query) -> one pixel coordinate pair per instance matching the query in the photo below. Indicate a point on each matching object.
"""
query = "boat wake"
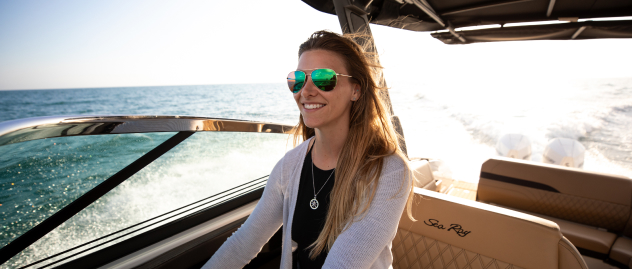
(469, 122)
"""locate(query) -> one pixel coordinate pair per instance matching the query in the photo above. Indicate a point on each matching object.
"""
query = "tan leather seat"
(423, 174)
(588, 237)
(622, 251)
(628, 227)
(574, 198)
(451, 232)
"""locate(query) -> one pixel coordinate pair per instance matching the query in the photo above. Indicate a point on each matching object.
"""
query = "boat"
(521, 214)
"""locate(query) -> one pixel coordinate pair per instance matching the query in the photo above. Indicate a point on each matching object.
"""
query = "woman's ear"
(356, 92)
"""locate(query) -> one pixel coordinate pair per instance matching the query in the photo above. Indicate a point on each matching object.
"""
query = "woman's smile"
(312, 106)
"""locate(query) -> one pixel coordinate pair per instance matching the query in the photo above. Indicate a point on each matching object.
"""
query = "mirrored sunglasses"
(323, 78)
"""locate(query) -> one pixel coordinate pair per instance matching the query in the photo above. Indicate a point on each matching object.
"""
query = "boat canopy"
(569, 19)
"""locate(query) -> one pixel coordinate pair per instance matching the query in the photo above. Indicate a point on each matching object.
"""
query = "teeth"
(313, 106)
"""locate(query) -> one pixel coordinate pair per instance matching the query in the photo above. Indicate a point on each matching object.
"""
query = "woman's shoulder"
(395, 178)
(394, 163)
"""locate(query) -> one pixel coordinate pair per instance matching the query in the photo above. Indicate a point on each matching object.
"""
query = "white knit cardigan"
(366, 243)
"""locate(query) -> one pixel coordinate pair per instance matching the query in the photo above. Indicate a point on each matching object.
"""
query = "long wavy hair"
(371, 138)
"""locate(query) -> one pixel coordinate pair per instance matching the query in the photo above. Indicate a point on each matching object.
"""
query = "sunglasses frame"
(310, 74)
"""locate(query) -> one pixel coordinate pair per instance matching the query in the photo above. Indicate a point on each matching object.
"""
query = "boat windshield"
(205, 164)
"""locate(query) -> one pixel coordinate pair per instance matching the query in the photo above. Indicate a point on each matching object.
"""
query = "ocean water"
(460, 121)
(457, 121)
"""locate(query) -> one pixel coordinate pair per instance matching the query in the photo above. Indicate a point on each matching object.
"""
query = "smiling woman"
(454, 102)
(348, 138)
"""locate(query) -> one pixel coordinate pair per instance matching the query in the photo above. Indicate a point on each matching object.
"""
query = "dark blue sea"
(458, 122)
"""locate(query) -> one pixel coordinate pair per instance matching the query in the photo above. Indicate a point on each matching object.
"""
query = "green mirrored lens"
(295, 81)
(324, 79)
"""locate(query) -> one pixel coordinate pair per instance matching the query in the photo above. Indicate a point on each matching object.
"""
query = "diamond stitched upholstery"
(415, 251)
(576, 195)
(578, 209)
(486, 237)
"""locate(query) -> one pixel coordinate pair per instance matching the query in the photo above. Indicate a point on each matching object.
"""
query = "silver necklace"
(314, 203)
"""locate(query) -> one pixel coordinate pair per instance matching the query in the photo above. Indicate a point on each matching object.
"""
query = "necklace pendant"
(313, 203)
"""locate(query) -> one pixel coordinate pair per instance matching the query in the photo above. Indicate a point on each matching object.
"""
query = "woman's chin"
(312, 124)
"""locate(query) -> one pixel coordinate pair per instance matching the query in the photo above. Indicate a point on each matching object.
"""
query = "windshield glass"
(38, 178)
(202, 166)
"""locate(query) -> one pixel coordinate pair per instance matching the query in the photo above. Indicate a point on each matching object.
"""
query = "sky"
(86, 44)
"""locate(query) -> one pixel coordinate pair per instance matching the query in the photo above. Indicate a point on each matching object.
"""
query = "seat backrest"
(452, 232)
(422, 174)
(576, 195)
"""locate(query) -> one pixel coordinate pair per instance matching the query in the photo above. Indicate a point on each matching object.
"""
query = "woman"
(340, 194)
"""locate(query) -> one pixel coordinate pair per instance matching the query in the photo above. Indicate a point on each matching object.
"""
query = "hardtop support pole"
(550, 9)
(426, 8)
(354, 19)
(578, 32)
(455, 34)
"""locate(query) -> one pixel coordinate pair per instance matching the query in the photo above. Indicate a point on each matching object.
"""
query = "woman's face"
(320, 109)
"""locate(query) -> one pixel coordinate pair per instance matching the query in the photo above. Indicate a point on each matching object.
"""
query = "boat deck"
(463, 189)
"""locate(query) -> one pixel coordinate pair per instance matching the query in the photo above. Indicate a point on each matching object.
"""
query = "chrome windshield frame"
(22, 130)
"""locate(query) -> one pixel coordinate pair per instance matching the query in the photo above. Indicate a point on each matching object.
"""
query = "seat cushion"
(423, 174)
(582, 236)
(622, 251)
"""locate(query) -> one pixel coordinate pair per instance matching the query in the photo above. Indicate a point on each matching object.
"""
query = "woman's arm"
(264, 221)
(362, 243)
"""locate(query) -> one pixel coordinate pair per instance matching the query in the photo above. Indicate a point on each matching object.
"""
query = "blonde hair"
(371, 138)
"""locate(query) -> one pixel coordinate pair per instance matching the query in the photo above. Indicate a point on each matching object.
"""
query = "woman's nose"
(309, 89)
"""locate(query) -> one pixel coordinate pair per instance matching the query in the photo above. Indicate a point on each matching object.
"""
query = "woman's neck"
(327, 147)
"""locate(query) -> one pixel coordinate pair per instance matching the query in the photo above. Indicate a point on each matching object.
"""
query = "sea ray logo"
(457, 228)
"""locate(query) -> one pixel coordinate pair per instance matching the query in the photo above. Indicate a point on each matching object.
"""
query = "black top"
(307, 222)
(437, 14)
